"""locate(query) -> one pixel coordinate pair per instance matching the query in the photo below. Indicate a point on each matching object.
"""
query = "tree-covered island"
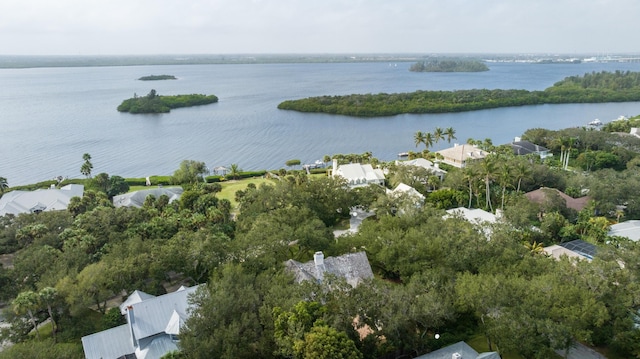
(154, 103)
(449, 65)
(595, 87)
(157, 77)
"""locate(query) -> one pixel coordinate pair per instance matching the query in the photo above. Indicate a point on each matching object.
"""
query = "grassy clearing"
(229, 188)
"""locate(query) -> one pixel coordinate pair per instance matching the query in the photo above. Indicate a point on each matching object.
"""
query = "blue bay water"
(49, 117)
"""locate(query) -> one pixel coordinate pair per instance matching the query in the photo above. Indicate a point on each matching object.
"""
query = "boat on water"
(403, 154)
(595, 122)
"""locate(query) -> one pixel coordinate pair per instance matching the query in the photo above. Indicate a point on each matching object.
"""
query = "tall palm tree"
(26, 303)
(489, 170)
(470, 174)
(521, 171)
(428, 140)
(418, 138)
(48, 295)
(450, 133)
(3, 185)
(504, 177)
(438, 134)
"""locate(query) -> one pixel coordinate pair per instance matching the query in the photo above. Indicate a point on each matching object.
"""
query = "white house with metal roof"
(357, 174)
(152, 329)
(137, 198)
(41, 200)
(628, 229)
(426, 164)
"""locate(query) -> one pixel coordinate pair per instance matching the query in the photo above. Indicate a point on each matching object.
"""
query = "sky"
(139, 27)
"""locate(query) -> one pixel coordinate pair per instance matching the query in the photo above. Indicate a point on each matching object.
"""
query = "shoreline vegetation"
(157, 77)
(154, 103)
(449, 65)
(595, 87)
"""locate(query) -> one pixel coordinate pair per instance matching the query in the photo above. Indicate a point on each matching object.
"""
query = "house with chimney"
(353, 267)
(357, 174)
(152, 329)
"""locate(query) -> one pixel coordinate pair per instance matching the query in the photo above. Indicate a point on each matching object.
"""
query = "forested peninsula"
(595, 87)
(154, 103)
(449, 65)
(157, 77)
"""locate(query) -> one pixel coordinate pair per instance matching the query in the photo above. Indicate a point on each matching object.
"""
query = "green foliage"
(324, 342)
(154, 103)
(157, 77)
(190, 172)
(591, 88)
(291, 163)
(449, 65)
(46, 349)
(87, 166)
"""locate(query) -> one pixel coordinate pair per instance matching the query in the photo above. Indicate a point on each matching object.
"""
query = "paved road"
(357, 216)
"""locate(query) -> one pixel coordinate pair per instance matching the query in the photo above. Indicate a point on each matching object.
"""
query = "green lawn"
(229, 188)
(479, 343)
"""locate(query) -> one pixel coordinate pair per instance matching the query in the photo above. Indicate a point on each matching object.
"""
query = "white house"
(628, 229)
(41, 200)
(426, 164)
(137, 198)
(358, 175)
(152, 329)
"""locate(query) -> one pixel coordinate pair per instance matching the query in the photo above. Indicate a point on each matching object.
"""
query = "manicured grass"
(229, 188)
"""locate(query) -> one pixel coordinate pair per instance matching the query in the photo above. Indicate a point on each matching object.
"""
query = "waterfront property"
(521, 148)
(358, 175)
(460, 155)
(137, 198)
(41, 200)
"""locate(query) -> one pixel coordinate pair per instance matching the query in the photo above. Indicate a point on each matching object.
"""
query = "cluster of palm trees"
(431, 138)
(29, 302)
(496, 168)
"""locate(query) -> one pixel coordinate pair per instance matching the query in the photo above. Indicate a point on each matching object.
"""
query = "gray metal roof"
(137, 198)
(53, 199)
(354, 267)
(463, 349)
(108, 344)
(151, 316)
(629, 229)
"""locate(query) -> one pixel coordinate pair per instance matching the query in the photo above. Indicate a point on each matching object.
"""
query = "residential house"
(354, 267)
(426, 164)
(41, 200)
(541, 195)
(573, 249)
(137, 198)
(628, 229)
(405, 189)
(460, 155)
(152, 329)
(358, 175)
(459, 350)
(521, 148)
(475, 215)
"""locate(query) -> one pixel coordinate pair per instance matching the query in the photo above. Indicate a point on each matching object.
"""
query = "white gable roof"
(137, 198)
(474, 215)
(17, 202)
(136, 297)
(359, 174)
(629, 229)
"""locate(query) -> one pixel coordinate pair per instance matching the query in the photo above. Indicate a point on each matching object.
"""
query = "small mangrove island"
(154, 103)
(595, 87)
(157, 77)
(449, 65)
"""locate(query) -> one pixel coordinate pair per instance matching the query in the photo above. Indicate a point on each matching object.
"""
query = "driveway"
(357, 216)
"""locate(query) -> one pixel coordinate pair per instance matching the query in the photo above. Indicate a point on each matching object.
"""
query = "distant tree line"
(154, 103)
(595, 87)
(449, 65)
(157, 77)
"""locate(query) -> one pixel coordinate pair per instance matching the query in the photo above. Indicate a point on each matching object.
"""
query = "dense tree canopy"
(154, 103)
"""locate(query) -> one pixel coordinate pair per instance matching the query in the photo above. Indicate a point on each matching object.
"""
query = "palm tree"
(26, 303)
(522, 170)
(504, 177)
(3, 185)
(87, 166)
(534, 248)
(438, 134)
(428, 140)
(450, 133)
(234, 171)
(418, 138)
(48, 296)
(470, 175)
(488, 169)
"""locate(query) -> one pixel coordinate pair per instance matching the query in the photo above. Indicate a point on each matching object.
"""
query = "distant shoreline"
(36, 61)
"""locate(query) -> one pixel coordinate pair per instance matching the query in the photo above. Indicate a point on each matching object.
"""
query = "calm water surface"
(49, 117)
